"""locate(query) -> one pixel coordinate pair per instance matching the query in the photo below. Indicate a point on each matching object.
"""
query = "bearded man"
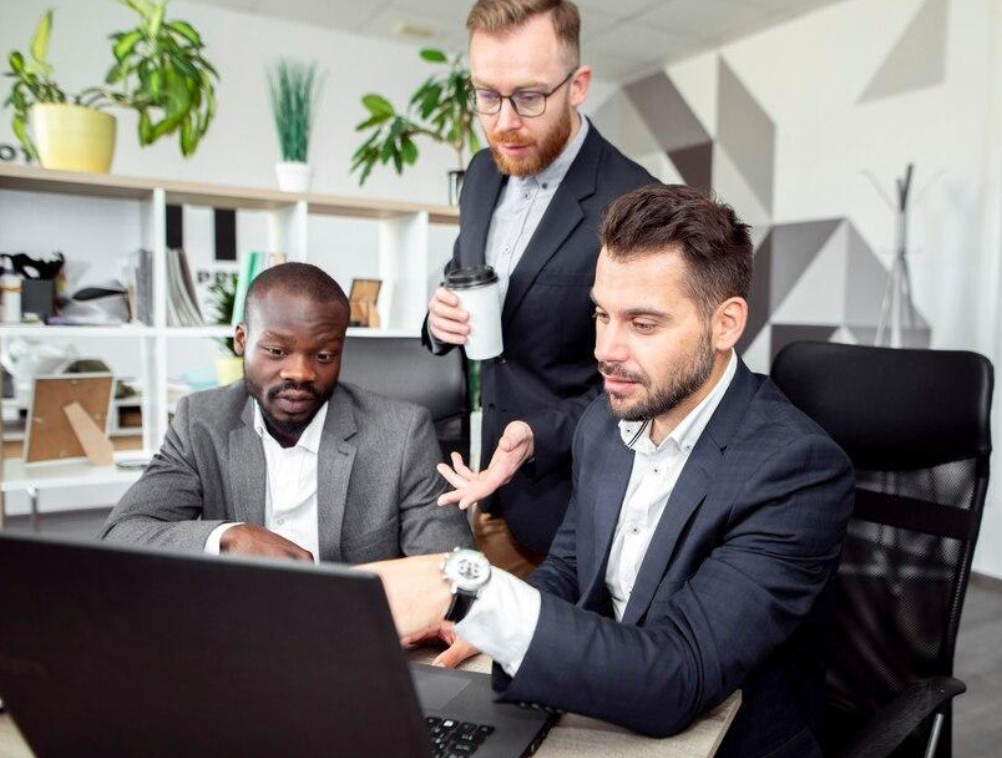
(530, 208)
(706, 523)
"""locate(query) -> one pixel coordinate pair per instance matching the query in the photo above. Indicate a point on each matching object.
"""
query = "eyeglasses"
(526, 103)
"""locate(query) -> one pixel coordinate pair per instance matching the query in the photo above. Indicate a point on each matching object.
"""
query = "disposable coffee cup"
(480, 295)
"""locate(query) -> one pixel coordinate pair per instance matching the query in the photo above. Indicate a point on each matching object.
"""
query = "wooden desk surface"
(573, 736)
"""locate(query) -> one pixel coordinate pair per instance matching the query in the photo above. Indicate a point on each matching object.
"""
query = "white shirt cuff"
(216, 536)
(503, 620)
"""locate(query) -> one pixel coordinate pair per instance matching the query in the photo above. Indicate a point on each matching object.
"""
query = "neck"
(666, 423)
(575, 126)
(283, 438)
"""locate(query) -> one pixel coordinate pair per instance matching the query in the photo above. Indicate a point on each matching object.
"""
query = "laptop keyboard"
(456, 739)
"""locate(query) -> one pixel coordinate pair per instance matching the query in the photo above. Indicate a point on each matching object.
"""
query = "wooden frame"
(49, 435)
(363, 299)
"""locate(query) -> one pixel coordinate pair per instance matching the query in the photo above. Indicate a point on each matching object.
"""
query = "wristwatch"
(467, 572)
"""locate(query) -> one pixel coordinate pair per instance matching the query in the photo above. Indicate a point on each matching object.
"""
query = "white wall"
(808, 75)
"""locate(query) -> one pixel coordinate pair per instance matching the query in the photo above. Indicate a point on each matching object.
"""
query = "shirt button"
(634, 529)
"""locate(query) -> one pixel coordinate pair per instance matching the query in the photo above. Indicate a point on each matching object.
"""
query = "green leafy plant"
(440, 110)
(223, 293)
(295, 90)
(159, 71)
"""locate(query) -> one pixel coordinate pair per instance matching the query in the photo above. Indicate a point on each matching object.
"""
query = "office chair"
(401, 368)
(915, 424)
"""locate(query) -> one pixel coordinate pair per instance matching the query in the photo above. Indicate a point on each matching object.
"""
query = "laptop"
(112, 651)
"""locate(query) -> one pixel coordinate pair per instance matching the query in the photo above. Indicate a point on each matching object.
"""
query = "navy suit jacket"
(730, 594)
(547, 374)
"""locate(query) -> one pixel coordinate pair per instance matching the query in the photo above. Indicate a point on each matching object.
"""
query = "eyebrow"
(635, 312)
(534, 86)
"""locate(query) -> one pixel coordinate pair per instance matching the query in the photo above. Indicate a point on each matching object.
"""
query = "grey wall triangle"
(666, 113)
(695, 164)
(918, 59)
(794, 246)
(747, 133)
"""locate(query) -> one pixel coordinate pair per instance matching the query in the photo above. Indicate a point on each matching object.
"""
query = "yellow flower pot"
(73, 138)
(229, 368)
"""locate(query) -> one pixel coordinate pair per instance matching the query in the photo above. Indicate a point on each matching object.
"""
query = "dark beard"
(550, 148)
(685, 380)
(277, 428)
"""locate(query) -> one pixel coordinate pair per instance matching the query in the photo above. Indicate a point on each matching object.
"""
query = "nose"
(298, 368)
(508, 119)
(610, 345)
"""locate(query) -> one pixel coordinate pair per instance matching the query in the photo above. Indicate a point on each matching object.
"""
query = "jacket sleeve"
(426, 527)
(553, 432)
(698, 644)
(164, 507)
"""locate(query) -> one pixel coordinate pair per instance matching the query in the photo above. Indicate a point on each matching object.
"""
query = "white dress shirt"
(291, 486)
(503, 620)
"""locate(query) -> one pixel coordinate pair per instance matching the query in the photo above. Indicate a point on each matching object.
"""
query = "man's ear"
(729, 322)
(580, 84)
(240, 339)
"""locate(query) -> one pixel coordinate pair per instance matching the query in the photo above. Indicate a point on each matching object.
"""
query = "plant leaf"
(40, 42)
(432, 55)
(408, 150)
(157, 19)
(16, 61)
(126, 44)
(187, 31)
(377, 104)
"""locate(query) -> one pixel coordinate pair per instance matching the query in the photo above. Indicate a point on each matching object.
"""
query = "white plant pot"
(294, 176)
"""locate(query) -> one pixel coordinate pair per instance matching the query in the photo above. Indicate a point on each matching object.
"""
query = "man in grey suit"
(289, 463)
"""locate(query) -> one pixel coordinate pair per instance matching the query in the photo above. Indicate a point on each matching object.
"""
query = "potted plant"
(223, 292)
(295, 89)
(159, 71)
(440, 110)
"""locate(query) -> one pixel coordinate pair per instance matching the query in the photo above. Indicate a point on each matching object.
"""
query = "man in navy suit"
(530, 208)
(707, 517)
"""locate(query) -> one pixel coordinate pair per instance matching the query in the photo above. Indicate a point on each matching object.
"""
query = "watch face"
(468, 569)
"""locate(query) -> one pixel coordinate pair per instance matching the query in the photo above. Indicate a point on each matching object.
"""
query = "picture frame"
(49, 435)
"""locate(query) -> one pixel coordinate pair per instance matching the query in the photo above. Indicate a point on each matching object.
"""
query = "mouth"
(615, 385)
(514, 150)
(295, 403)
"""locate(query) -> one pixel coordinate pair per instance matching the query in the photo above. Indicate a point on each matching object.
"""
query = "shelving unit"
(403, 258)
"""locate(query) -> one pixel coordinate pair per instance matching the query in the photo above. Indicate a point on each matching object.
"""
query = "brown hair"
(502, 16)
(711, 239)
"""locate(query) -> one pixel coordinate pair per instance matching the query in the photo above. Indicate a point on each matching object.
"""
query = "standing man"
(530, 208)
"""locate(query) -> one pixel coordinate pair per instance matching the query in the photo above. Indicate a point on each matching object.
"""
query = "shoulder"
(216, 403)
(373, 409)
(618, 173)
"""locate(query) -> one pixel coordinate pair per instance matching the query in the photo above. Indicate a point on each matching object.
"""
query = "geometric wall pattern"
(814, 279)
(918, 58)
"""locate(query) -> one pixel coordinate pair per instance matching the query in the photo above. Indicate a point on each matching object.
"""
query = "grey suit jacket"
(376, 490)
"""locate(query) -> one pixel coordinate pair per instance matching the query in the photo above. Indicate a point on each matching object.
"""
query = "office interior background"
(800, 113)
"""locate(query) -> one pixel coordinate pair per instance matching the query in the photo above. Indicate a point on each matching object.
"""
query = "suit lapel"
(477, 215)
(700, 470)
(561, 218)
(248, 470)
(334, 464)
(608, 502)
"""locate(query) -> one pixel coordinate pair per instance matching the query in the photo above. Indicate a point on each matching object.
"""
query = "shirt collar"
(308, 440)
(552, 175)
(636, 434)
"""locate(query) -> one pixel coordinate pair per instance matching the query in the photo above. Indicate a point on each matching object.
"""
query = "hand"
(251, 539)
(446, 320)
(418, 595)
(515, 448)
(457, 652)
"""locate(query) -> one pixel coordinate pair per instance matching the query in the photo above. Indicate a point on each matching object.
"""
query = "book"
(251, 265)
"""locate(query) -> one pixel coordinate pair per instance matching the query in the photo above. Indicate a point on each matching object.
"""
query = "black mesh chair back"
(915, 424)
(401, 368)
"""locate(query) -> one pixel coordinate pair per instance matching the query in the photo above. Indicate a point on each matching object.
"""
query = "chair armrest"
(903, 715)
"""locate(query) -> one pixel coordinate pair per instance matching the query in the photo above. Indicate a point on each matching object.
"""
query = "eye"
(274, 352)
(600, 316)
(528, 99)
(644, 327)
(326, 357)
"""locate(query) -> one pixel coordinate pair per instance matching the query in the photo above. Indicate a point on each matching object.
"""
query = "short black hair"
(706, 232)
(303, 279)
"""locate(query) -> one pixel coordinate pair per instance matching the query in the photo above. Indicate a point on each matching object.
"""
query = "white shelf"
(74, 332)
(204, 332)
(18, 475)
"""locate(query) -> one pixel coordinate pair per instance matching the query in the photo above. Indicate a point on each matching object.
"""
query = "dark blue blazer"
(547, 375)
(730, 595)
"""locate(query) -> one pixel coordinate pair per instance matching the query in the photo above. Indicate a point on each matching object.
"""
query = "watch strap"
(460, 606)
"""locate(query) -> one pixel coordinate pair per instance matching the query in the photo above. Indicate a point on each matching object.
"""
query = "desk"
(581, 737)
(573, 736)
(34, 478)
